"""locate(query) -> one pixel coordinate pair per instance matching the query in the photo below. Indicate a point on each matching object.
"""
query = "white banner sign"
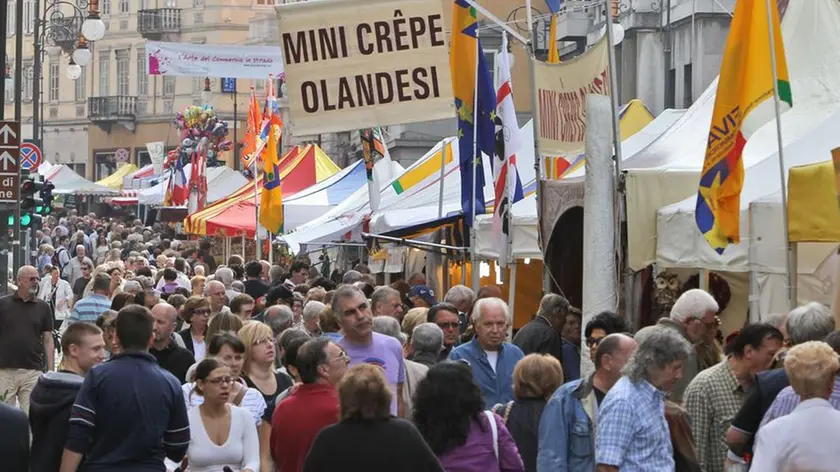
(156, 154)
(214, 60)
(353, 64)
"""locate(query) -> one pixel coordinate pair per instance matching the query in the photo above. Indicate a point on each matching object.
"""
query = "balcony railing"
(116, 108)
(159, 21)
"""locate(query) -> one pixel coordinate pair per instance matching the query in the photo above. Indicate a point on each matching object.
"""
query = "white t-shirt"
(240, 451)
(253, 400)
(492, 358)
(200, 348)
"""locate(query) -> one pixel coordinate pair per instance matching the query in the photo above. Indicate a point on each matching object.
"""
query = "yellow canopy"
(115, 180)
(813, 210)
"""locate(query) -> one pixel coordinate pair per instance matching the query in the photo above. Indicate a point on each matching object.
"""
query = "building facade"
(115, 105)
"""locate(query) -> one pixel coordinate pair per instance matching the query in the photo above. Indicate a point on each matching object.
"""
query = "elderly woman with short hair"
(805, 439)
(367, 436)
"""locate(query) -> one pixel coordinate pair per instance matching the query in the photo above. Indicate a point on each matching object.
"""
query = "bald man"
(169, 355)
(218, 297)
(26, 339)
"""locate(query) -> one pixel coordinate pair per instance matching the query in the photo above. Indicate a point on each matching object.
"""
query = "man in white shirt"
(804, 439)
(73, 269)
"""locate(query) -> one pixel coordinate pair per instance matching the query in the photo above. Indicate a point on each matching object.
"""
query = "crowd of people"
(121, 349)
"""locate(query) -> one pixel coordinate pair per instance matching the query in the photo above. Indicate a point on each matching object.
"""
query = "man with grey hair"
(491, 358)
(351, 276)
(633, 435)
(693, 316)
(576, 404)
(462, 298)
(279, 318)
(425, 344)
(311, 318)
(389, 327)
(542, 335)
(225, 276)
(362, 344)
(132, 286)
(73, 269)
(386, 301)
(811, 322)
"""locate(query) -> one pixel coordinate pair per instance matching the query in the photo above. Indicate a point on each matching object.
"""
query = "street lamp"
(74, 71)
(70, 25)
(93, 28)
(207, 94)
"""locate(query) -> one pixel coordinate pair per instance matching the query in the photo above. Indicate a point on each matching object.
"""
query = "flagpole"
(476, 275)
(791, 275)
(257, 210)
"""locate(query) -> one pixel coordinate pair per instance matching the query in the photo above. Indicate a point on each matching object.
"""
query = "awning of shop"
(301, 167)
(67, 181)
(222, 181)
(115, 180)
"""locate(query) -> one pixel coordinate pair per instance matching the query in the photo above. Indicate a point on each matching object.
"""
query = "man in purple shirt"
(362, 345)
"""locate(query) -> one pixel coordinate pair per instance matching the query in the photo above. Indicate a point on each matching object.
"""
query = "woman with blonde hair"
(535, 379)
(412, 319)
(259, 372)
(804, 439)
(367, 435)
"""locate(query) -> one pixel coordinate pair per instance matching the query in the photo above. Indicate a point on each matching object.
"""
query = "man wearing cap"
(422, 296)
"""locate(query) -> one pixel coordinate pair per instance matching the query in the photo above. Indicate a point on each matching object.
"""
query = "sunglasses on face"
(593, 342)
(451, 325)
(221, 380)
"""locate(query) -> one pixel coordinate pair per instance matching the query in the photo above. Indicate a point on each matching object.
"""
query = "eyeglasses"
(450, 325)
(593, 342)
(342, 357)
(262, 341)
(201, 311)
(221, 380)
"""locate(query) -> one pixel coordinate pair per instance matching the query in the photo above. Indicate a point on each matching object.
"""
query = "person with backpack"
(61, 256)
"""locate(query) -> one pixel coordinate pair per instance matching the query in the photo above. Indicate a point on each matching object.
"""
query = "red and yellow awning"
(301, 167)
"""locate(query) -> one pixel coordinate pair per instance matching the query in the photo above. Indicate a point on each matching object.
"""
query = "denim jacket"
(496, 385)
(567, 429)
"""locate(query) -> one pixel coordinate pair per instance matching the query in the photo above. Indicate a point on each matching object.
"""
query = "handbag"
(494, 430)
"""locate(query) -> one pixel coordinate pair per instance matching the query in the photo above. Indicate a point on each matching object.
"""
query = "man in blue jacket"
(569, 420)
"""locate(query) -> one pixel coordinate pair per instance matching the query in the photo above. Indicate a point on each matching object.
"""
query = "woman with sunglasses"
(196, 312)
(222, 436)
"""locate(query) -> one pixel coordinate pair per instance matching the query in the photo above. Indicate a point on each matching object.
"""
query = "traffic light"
(46, 199)
(25, 219)
(30, 195)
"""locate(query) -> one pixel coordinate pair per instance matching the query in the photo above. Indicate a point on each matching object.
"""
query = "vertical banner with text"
(561, 98)
(353, 64)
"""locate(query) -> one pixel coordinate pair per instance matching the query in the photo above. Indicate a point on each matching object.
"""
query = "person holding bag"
(58, 293)
(449, 413)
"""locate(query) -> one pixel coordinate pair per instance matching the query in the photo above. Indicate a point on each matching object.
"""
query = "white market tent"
(422, 207)
(221, 182)
(810, 131)
(320, 198)
(409, 199)
(68, 182)
(525, 241)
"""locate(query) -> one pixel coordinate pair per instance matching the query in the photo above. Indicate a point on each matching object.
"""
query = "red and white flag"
(505, 174)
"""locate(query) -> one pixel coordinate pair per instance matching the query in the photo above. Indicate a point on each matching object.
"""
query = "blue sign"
(228, 85)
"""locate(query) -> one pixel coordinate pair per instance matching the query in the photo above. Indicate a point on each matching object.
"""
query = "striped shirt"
(632, 432)
(787, 400)
(89, 308)
(128, 415)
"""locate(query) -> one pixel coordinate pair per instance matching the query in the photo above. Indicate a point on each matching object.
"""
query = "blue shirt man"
(129, 413)
(491, 358)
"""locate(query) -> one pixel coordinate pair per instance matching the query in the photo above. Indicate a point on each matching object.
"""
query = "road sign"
(9, 154)
(30, 156)
(228, 84)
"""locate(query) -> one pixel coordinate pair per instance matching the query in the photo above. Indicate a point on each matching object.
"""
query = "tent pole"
(270, 249)
(243, 245)
(476, 276)
(511, 295)
(790, 258)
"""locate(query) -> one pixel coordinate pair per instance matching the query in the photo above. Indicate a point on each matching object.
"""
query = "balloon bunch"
(201, 132)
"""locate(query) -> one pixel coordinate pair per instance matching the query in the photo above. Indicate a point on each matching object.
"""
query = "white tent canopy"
(810, 131)
(415, 205)
(525, 242)
(221, 182)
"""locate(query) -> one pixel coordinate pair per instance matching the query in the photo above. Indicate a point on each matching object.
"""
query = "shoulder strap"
(495, 431)
(507, 411)
(240, 396)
